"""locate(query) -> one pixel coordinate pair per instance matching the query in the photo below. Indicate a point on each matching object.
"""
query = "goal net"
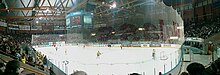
(163, 56)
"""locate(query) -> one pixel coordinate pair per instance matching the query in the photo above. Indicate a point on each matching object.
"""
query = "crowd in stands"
(203, 29)
(18, 47)
(130, 32)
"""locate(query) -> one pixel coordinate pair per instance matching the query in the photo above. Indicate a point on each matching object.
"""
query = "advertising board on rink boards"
(138, 45)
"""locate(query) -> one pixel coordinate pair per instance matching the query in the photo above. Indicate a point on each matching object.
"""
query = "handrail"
(208, 65)
(3, 60)
(27, 67)
(22, 65)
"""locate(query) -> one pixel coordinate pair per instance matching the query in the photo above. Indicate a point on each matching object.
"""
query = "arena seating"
(18, 48)
(202, 30)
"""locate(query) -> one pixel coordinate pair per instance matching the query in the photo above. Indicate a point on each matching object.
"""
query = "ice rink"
(114, 60)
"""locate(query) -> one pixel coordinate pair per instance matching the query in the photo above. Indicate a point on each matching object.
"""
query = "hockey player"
(65, 52)
(98, 54)
(84, 46)
(56, 48)
(153, 54)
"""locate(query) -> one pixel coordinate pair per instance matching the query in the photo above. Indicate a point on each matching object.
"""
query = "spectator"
(45, 61)
(51, 71)
(134, 74)
(184, 73)
(160, 73)
(12, 68)
(1, 68)
(30, 60)
(195, 69)
(79, 73)
(23, 58)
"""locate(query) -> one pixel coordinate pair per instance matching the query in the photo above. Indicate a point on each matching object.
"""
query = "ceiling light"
(141, 29)
(174, 37)
(47, 10)
(114, 5)
(40, 18)
(37, 22)
(33, 9)
(93, 34)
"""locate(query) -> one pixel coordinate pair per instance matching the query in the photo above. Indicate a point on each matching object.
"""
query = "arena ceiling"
(54, 11)
(24, 11)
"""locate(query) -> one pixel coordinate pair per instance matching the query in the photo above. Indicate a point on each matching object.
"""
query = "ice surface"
(113, 61)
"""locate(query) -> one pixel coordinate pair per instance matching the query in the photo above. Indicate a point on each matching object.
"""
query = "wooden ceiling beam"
(27, 8)
(13, 17)
(56, 22)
